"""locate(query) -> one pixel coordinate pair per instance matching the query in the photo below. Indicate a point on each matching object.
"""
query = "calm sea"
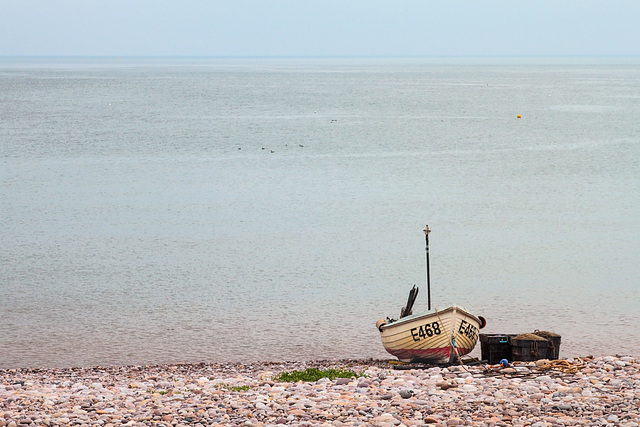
(187, 210)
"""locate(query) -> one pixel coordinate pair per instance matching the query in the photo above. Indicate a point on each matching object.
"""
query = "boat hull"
(432, 337)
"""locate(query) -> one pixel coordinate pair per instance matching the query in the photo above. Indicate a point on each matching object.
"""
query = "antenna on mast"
(427, 230)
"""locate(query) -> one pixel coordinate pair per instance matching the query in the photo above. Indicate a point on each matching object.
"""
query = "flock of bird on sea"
(299, 145)
(273, 151)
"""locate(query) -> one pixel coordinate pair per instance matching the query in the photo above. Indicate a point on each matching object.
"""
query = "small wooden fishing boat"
(437, 336)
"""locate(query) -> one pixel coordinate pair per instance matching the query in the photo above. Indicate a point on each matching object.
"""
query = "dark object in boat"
(407, 309)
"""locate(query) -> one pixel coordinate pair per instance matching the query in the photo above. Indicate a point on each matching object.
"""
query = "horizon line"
(326, 56)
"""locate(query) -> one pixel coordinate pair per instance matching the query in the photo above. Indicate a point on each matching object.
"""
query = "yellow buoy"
(519, 116)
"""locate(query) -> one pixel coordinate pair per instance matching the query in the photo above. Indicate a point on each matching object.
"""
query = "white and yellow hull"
(431, 337)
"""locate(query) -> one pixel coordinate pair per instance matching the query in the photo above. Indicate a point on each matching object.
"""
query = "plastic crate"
(529, 350)
(495, 347)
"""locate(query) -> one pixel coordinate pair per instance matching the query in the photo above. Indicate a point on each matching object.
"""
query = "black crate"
(495, 347)
(528, 350)
(554, 343)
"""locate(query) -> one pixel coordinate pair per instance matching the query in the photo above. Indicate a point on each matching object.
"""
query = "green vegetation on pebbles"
(314, 374)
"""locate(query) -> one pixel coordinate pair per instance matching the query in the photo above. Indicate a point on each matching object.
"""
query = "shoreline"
(582, 391)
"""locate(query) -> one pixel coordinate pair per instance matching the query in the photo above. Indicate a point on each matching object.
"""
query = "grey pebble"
(406, 394)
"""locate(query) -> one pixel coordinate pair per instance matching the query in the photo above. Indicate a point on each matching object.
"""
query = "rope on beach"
(563, 366)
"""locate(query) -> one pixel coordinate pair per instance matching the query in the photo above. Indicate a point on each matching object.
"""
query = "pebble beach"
(602, 391)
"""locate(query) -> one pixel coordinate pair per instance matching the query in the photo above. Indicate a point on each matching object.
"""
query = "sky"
(319, 28)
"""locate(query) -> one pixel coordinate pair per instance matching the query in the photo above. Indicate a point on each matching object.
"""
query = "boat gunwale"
(418, 316)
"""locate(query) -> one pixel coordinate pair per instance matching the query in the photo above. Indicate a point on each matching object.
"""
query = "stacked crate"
(520, 347)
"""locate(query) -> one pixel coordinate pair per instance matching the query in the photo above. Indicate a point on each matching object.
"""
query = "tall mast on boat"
(427, 230)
